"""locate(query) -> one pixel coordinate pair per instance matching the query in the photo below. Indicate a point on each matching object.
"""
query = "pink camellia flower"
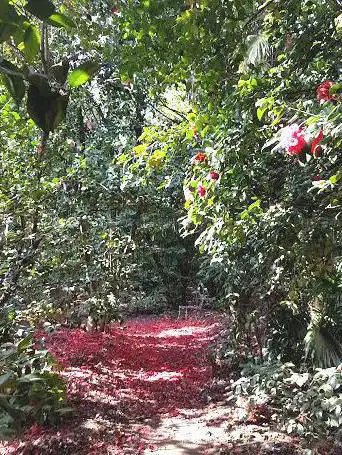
(315, 147)
(323, 91)
(201, 190)
(293, 139)
(213, 175)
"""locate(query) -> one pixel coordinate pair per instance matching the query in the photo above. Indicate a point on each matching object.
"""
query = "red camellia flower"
(115, 11)
(201, 190)
(315, 147)
(299, 142)
(201, 157)
(293, 139)
(213, 175)
(323, 91)
(316, 178)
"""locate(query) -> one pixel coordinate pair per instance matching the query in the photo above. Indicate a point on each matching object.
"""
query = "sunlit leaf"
(14, 84)
(60, 20)
(82, 74)
(31, 42)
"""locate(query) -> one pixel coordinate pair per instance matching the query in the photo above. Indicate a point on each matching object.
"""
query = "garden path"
(143, 389)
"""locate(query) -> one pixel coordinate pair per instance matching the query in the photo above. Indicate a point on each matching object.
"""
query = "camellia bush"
(261, 157)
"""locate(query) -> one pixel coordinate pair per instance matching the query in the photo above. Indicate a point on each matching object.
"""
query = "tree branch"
(174, 111)
(43, 49)
(11, 72)
(260, 10)
(161, 112)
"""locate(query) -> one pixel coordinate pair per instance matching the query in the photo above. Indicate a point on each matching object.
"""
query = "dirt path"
(140, 390)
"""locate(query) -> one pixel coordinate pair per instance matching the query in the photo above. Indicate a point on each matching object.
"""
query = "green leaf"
(14, 84)
(42, 9)
(82, 74)
(4, 4)
(9, 20)
(31, 42)
(334, 179)
(60, 20)
(257, 49)
(261, 112)
(336, 88)
(32, 377)
(25, 343)
(8, 14)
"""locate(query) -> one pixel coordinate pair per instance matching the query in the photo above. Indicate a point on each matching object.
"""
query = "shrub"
(303, 402)
(29, 389)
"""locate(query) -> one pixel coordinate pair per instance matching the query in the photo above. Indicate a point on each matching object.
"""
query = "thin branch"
(16, 50)
(174, 111)
(43, 50)
(260, 10)
(4, 105)
(47, 48)
(11, 72)
(161, 112)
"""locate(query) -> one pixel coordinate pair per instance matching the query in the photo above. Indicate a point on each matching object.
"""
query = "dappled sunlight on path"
(145, 389)
(122, 384)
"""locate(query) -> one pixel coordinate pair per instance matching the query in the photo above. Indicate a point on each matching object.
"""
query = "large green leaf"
(31, 42)
(9, 20)
(258, 49)
(14, 84)
(25, 343)
(82, 74)
(60, 20)
(8, 14)
(42, 9)
(4, 4)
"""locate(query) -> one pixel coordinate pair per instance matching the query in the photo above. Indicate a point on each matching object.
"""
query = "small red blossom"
(323, 91)
(115, 11)
(201, 190)
(316, 178)
(213, 175)
(315, 147)
(201, 158)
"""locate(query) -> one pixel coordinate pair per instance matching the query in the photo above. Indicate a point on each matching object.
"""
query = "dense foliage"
(262, 185)
(147, 146)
